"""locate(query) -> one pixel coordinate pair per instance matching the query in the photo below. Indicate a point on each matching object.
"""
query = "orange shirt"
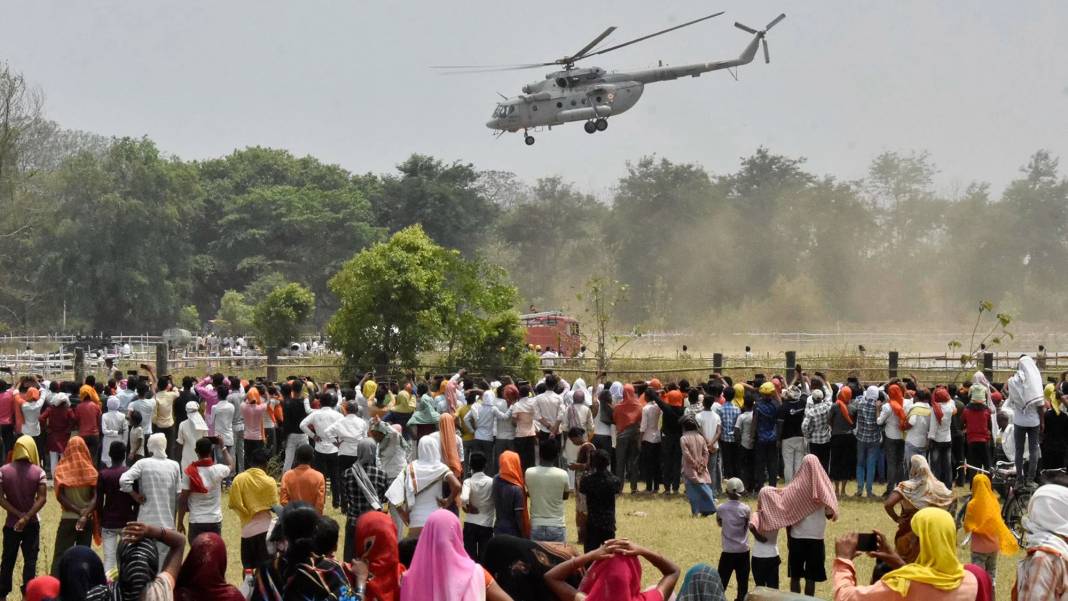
(302, 483)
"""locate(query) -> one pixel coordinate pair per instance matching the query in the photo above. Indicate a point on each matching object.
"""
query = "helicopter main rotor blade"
(775, 21)
(767, 57)
(493, 67)
(745, 28)
(596, 40)
(651, 35)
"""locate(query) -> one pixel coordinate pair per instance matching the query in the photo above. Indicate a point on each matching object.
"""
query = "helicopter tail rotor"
(761, 34)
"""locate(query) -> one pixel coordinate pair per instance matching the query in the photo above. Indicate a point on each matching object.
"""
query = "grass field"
(659, 522)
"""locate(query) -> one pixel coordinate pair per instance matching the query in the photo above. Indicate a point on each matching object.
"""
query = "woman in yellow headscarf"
(982, 519)
(936, 575)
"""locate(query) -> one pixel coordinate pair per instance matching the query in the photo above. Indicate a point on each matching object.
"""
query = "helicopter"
(592, 94)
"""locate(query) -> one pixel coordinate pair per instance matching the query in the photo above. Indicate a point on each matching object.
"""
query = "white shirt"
(320, 421)
(917, 434)
(505, 425)
(939, 431)
(477, 491)
(31, 414)
(548, 406)
(768, 549)
(347, 433)
(206, 508)
(710, 423)
(221, 421)
(889, 422)
(391, 456)
(187, 437)
(650, 426)
(812, 526)
(159, 484)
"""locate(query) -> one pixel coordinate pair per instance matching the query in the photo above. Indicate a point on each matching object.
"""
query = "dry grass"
(666, 527)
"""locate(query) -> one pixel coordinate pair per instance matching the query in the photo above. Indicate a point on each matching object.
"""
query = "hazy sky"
(981, 85)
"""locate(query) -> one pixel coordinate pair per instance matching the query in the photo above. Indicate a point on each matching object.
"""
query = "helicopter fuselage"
(567, 96)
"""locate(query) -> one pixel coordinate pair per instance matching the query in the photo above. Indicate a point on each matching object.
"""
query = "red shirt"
(7, 407)
(88, 416)
(976, 423)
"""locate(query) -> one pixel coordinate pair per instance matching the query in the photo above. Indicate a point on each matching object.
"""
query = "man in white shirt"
(347, 433)
(316, 426)
(482, 420)
(201, 495)
(649, 455)
(479, 511)
(919, 418)
(548, 409)
(504, 432)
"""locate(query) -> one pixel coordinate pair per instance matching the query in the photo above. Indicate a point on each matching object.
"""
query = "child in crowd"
(982, 519)
(765, 549)
(135, 442)
(476, 496)
(733, 518)
(745, 430)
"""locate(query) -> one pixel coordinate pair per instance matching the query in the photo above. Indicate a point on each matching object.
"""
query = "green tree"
(278, 317)
(189, 318)
(408, 295)
(235, 315)
(447, 200)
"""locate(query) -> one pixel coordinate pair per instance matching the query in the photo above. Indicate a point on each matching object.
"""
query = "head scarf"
(616, 390)
(451, 396)
(441, 569)
(937, 564)
(1025, 387)
(702, 583)
(138, 565)
(629, 411)
(938, 396)
(370, 387)
(203, 574)
(923, 489)
(113, 403)
(1052, 398)
(157, 445)
(844, 396)
(655, 384)
(425, 412)
(427, 469)
(76, 468)
(26, 448)
(1046, 523)
(81, 575)
(366, 456)
(450, 455)
(739, 395)
(511, 470)
(809, 491)
(518, 565)
(253, 396)
(42, 588)
(897, 404)
(983, 516)
(87, 392)
(192, 413)
(376, 544)
(767, 389)
(618, 578)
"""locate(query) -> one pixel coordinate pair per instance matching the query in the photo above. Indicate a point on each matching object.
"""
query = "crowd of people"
(455, 487)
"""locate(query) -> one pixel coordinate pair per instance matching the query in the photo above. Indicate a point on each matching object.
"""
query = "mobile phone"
(867, 541)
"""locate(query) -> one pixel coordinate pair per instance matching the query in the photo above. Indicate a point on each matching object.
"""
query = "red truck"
(553, 329)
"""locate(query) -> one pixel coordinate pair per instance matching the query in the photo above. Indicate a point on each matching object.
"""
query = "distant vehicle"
(592, 94)
(553, 329)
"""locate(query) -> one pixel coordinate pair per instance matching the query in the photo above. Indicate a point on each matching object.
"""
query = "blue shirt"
(728, 413)
(767, 414)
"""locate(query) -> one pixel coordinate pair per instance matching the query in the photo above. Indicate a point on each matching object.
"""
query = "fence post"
(891, 367)
(988, 365)
(79, 365)
(791, 361)
(717, 363)
(162, 352)
(272, 364)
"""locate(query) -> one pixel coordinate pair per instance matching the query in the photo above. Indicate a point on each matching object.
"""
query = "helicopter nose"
(492, 124)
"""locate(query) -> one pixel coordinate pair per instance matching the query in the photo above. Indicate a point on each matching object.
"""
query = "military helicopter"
(592, 94)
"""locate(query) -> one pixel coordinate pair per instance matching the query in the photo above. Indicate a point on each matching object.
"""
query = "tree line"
(112, 234)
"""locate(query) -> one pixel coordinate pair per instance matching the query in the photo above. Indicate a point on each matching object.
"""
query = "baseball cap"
(734, 485)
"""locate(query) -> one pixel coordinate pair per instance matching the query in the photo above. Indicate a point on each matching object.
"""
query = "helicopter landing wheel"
(601, 124)
(590, 127)
(529, 140)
